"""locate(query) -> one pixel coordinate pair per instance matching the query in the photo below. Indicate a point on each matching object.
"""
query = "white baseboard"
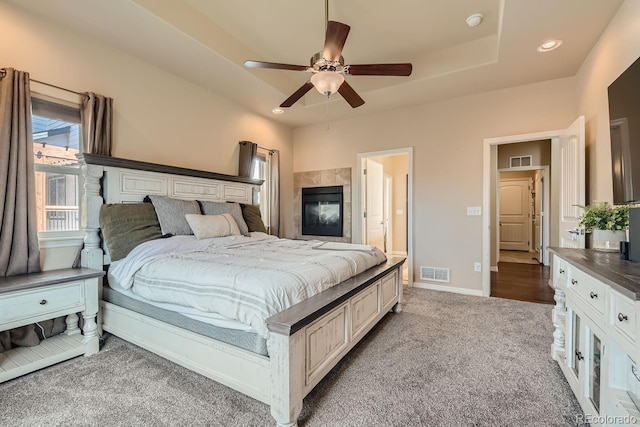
(494, 268)
(398, 253)
(453, 289)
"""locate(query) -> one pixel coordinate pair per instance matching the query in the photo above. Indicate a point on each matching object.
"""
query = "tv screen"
(624, 116)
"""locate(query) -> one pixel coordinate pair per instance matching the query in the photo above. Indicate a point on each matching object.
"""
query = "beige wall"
(617, 49)
(447, 138)
(158, 117)
(540, 152)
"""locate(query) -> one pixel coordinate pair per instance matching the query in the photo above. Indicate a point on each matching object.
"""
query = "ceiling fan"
(328, 68)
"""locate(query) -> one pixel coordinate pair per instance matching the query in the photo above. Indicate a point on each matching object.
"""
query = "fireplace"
(322, 211)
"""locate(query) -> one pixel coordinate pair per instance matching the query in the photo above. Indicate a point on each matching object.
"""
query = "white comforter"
(243, 278)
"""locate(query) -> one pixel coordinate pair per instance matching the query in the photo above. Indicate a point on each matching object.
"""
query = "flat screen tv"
(624, 116)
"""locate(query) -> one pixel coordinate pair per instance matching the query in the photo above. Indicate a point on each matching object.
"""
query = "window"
(56, 142)
(261, 170)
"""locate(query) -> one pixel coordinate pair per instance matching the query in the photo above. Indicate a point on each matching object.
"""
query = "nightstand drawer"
(622, 315)
(41, 301)
(588, 288)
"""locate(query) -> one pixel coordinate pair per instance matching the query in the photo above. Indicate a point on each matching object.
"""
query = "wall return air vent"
(434, 274)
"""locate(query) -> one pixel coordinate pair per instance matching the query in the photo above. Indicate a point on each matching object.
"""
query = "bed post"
(287, 377)
(92, 255)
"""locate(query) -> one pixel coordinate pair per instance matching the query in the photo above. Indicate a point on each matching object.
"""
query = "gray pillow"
(125, 225)
(252, 217)
(219, 208)
(171, 214)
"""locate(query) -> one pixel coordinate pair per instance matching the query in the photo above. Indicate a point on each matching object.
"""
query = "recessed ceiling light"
(474, 19)
(549, 45)
(277, 110)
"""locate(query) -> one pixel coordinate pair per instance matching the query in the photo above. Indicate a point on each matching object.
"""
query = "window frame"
(67, 237)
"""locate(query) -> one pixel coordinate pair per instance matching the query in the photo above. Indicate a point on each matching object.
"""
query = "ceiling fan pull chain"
(327, 113)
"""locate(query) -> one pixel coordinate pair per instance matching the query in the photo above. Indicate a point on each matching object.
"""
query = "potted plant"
(607, 224)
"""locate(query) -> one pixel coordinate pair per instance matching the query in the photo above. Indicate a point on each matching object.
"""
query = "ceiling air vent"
(434, 274)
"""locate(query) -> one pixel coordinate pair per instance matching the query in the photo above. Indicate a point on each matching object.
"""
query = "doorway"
(567, 191)
(383, 215)
(523, 225)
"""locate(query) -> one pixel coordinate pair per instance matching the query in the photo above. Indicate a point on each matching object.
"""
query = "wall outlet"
(477, 266)
(474, 210)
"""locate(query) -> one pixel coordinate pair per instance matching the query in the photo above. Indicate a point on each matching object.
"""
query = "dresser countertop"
(621, 275)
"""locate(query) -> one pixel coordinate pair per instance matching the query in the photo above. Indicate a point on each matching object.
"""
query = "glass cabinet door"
(594, 371)
(575, 339)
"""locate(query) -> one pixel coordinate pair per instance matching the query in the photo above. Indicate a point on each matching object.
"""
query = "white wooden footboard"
(309, 339)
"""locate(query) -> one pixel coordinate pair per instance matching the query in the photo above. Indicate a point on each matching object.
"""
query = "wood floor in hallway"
(523, 282)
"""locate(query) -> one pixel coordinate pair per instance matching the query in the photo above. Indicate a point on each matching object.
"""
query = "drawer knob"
(622, 317)
(43, 302)
(593, 295)
(574, 282)
(561, 271)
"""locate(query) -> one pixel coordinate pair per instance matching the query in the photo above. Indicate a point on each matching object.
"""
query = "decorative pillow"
(171, 214)
(251, 215)
(219, 208)
(125, 225)
(208, 226)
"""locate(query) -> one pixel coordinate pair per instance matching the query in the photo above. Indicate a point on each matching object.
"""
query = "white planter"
(608, 240)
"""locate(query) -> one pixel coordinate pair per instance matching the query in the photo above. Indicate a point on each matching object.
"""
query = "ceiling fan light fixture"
(327, 82)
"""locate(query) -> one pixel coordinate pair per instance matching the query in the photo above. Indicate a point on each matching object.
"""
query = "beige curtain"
(274, 202)
(247, 155)
(97, 124)
(19, 251)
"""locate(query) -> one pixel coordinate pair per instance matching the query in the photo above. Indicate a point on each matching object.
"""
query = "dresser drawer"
(560, 271)
(622, 315)
(35, 303)
(589, 289)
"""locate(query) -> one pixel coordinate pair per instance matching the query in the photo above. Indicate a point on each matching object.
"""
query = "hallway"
(523, 282)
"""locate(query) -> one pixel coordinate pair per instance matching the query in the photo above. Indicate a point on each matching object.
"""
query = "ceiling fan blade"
(350, 95)
(403, 69)
(337, 33)
(297, 95)
(274, 65)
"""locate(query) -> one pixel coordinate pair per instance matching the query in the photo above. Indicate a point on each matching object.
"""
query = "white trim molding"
(452, 289)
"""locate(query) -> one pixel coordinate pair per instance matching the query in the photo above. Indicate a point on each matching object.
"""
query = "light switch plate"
(474, 210)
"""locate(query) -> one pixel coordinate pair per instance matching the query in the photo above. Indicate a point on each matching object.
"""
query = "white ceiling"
(207, 41)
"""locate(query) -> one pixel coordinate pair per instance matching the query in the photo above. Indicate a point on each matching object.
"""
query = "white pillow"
(208, 226)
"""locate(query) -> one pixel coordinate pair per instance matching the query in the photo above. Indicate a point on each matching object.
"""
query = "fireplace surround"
(322, 178)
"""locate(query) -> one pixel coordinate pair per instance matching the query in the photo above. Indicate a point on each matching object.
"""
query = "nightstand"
(31, 298)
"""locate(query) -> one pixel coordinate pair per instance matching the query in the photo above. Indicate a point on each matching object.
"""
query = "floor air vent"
(434, 274)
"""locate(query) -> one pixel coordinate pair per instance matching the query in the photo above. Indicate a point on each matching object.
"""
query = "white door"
(537, 215)
(515, 218)
(569, 156)
(374, 215)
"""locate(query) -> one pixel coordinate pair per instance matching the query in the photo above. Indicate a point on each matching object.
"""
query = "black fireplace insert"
(322, 211)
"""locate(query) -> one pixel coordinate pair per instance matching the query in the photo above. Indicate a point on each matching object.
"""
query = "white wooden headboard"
(114, 180)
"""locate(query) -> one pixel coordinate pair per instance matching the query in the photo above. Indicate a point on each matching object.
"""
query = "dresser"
(595, 338)
(31, 298)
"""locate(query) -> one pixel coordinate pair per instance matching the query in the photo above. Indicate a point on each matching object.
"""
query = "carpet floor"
(446, 360)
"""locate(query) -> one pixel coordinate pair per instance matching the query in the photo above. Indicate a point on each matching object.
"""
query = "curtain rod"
(3, 73)
(271, 150)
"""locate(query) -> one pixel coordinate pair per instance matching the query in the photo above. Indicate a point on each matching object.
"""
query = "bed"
(301, 340)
